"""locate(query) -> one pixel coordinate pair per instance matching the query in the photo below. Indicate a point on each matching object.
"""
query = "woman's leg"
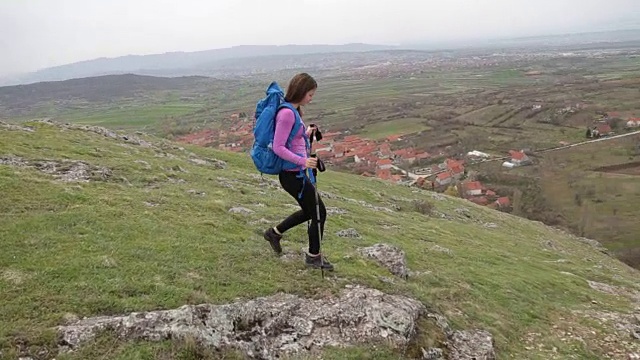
(293, 185)
(316, 230)
(307, 203)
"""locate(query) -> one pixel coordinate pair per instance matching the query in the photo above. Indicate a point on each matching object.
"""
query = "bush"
(423, 207)
(452, 190)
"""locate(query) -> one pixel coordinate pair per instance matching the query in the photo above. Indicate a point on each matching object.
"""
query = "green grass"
(129, 117)
(401, 127)
(96, 248)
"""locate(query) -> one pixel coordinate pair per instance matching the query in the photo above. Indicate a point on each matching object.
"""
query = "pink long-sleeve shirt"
(285, 119)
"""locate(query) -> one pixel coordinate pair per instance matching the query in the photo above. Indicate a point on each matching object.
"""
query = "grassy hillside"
(151, 227)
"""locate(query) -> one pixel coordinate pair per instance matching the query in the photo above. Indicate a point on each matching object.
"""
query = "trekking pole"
(315, 187)
(311, 150)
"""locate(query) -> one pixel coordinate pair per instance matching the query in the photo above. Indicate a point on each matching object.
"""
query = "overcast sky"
(36, 34)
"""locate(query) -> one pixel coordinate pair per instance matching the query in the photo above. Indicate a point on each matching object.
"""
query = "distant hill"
(91, 89)
(178, 63)
(571, 41)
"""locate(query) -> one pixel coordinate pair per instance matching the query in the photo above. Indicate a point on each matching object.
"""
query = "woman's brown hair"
(299, 86)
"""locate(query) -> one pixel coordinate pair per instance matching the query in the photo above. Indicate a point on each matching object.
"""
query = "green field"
(129, 117)
(381, 130)
(601, 205)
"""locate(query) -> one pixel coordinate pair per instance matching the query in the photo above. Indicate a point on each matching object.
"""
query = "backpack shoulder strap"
(297, 125)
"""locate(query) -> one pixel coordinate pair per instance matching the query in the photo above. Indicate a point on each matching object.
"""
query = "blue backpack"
(265, 160)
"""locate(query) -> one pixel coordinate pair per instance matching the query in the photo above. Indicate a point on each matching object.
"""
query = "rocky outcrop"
(214, 163)
(241, 210)
(16, 127)
(64, 170)
(336, 211)
(389, 256)
(267, 327)
(348, 233)
(100, 131)
(477, 345)
(328, 195)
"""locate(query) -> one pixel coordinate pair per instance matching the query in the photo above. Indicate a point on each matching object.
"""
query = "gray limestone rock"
(63, 170)
(241, 210)
(348, 233)
(466, 345)
(267, 327)
(389, 256)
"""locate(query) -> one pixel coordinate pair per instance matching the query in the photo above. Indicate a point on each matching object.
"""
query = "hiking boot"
(274, 240)
(317, 262)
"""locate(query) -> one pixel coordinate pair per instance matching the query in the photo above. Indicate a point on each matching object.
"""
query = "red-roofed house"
(444, 178)
(472, 188)
(422, 155)
(385, 149)
(633, 122)
(405, 154)
(384, 164)
(450, 163)
(519, 158)
(604, 129)
(457, 171)
(503, 202)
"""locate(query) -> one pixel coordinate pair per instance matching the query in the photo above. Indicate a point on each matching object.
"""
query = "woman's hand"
(311, 130)
(311, 163)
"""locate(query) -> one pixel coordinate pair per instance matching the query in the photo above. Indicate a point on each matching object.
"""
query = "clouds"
(42, 33)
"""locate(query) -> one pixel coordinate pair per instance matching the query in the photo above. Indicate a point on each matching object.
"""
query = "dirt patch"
(13, 276)
(630, 168)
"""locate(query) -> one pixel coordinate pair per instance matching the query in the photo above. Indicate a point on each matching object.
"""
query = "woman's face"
(308, 97)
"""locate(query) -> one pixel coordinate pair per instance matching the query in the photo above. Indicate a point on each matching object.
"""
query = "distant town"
(377, 159)
(387, 160)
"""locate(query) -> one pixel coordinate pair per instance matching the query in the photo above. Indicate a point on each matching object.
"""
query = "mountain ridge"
(179, 60)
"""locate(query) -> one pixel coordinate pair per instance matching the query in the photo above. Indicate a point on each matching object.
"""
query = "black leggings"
(291, 184)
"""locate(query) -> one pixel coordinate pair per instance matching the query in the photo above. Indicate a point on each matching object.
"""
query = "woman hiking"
(296, 181)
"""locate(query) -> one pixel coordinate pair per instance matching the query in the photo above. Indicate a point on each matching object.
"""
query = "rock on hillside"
(269, 327)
